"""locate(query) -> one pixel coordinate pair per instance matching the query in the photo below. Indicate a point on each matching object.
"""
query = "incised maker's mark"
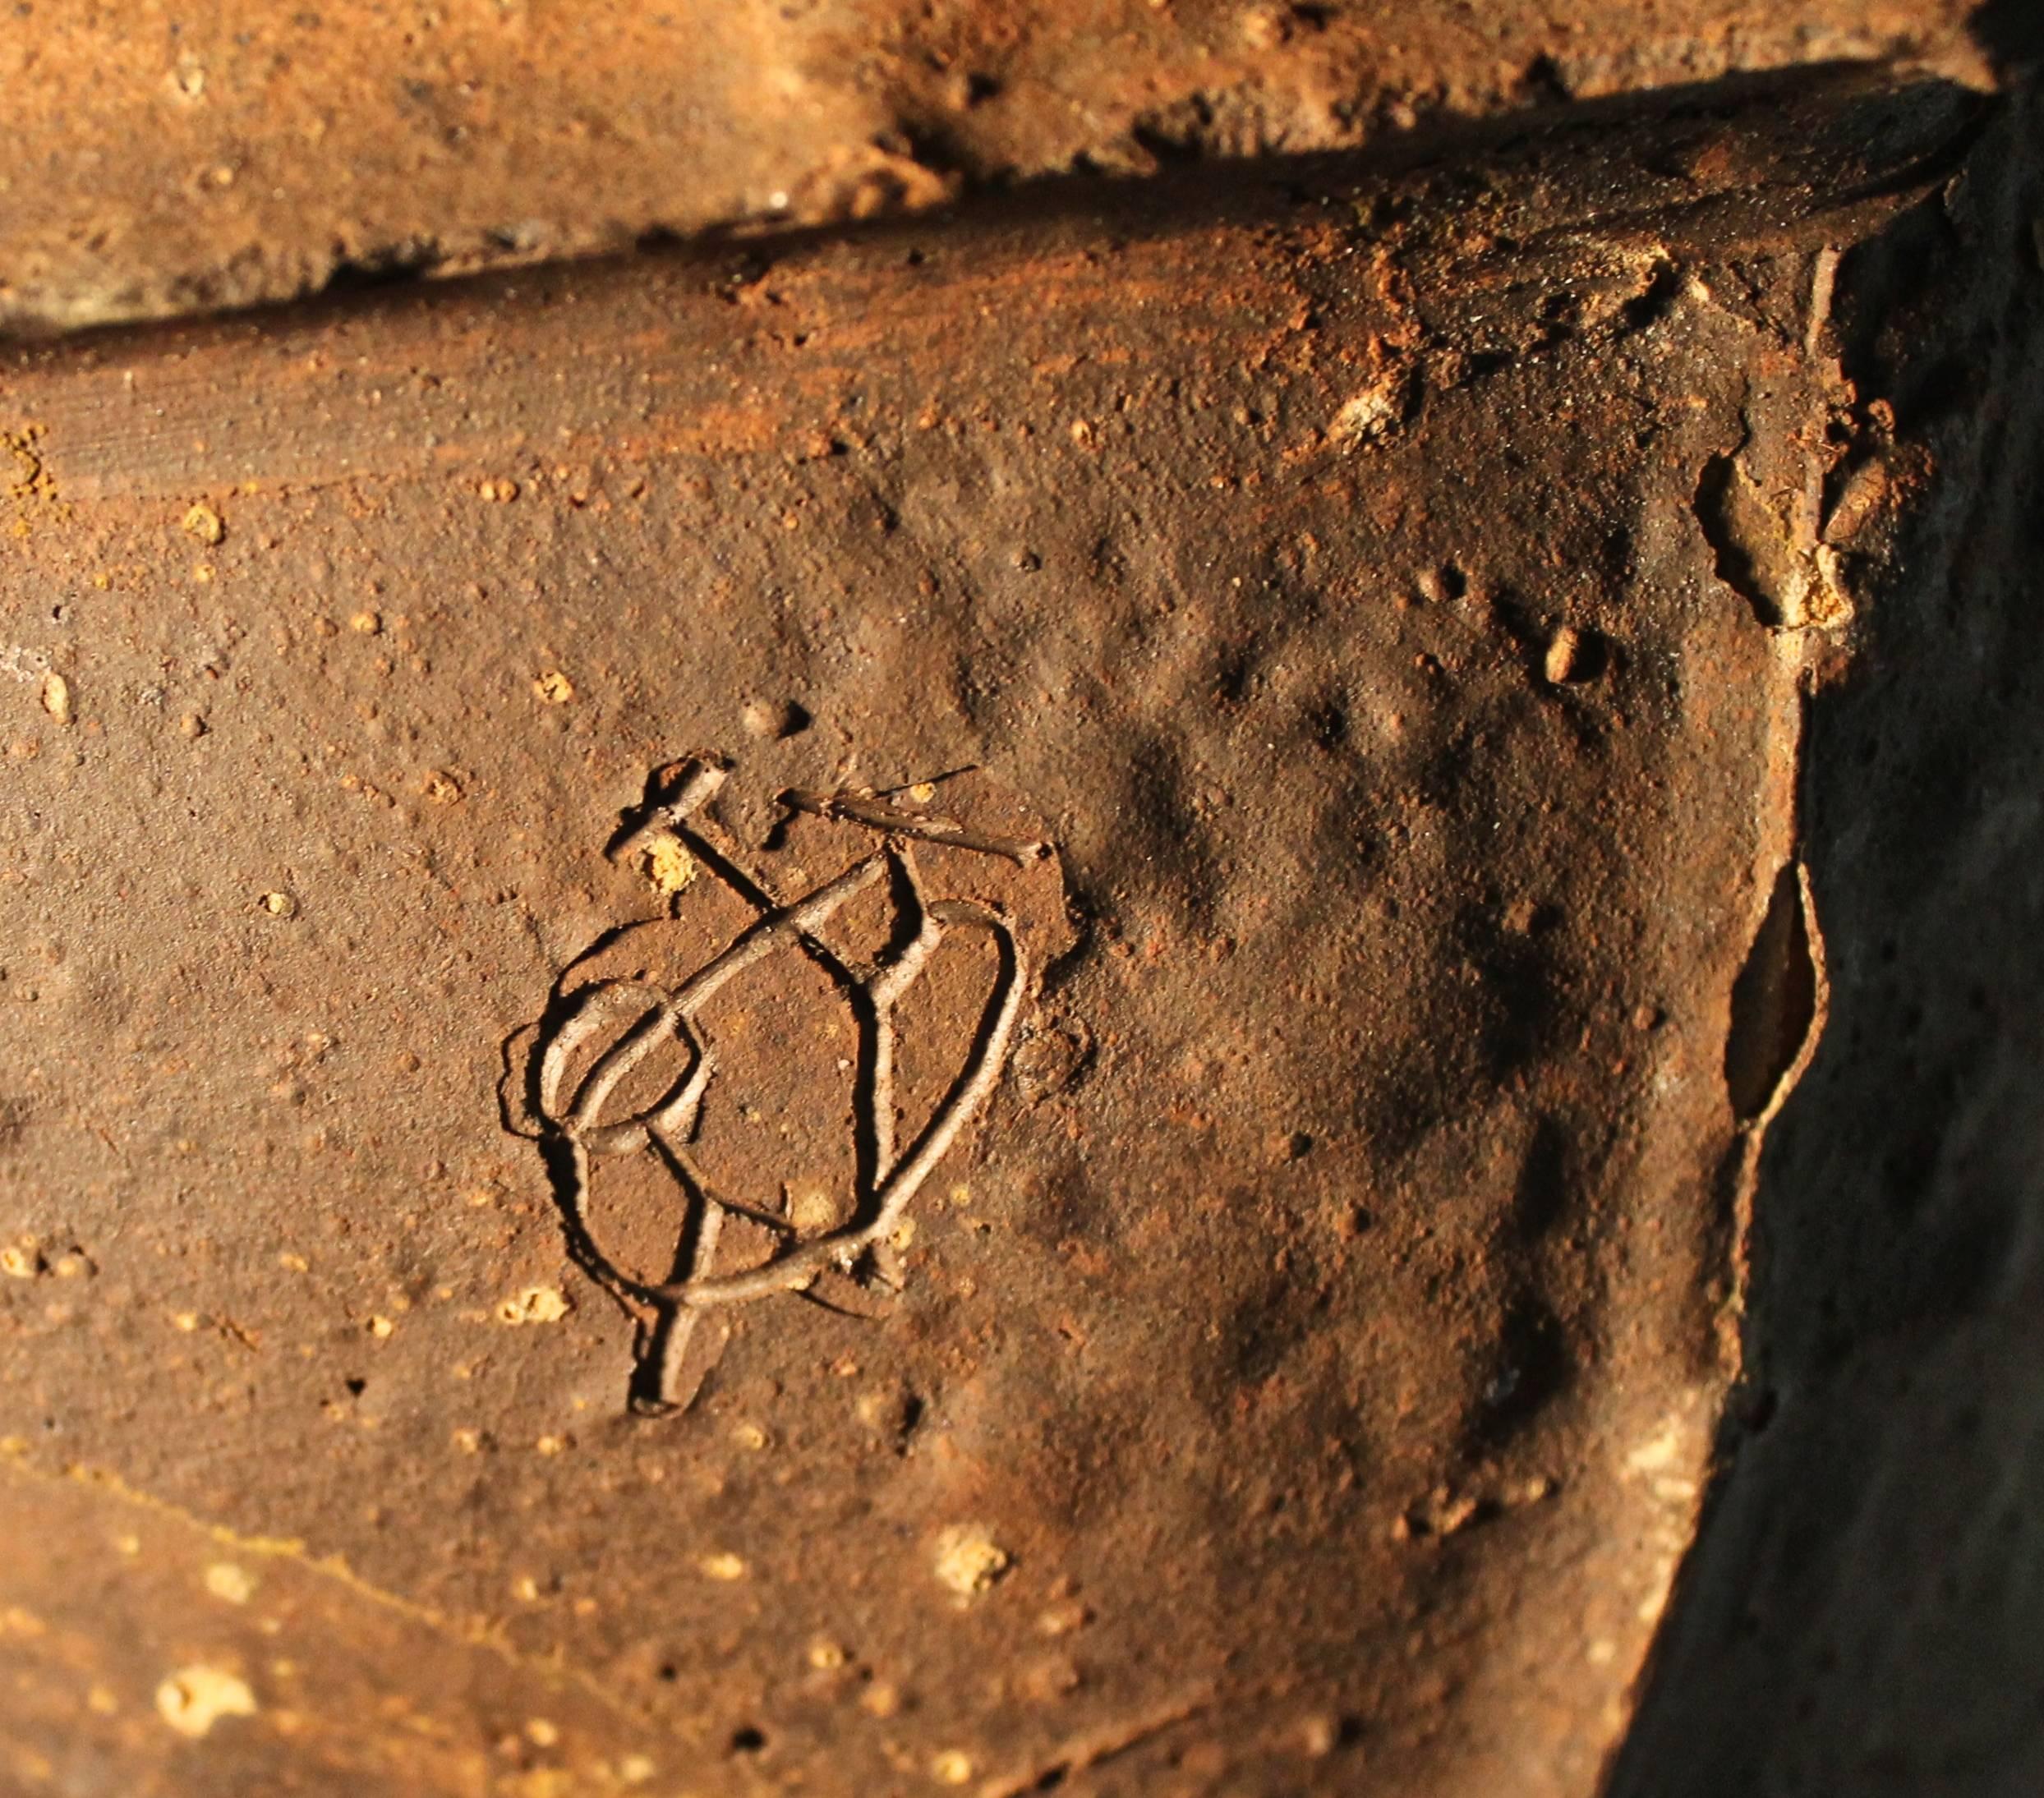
(595, 1039)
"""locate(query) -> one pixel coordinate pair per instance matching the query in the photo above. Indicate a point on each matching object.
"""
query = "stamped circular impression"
(772, 1067)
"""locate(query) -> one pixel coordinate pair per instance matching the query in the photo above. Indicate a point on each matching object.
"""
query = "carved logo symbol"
(621, 1067)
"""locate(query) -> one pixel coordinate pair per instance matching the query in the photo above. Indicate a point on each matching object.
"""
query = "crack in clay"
(1084, 1752)
(1780, 1002)
(554, 1671)
(1776, 1003)
(566, 1111)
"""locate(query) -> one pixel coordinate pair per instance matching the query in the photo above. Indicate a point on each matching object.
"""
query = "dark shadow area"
(2012, 32)
(1864, 1610)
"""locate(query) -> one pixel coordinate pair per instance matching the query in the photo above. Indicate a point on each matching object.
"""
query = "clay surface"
(1336, 1090)
(1393, 599)
(167, 160)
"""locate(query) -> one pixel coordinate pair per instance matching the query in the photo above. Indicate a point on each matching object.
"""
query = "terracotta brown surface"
(173, 159)
(1396, 597)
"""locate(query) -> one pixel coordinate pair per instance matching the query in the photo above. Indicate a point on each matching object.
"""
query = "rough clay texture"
(1397, 598)
(162, 159)
(1864, 1610)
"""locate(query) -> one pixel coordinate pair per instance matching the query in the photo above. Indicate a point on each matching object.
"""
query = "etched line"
(597, 1037)
(870, 810)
